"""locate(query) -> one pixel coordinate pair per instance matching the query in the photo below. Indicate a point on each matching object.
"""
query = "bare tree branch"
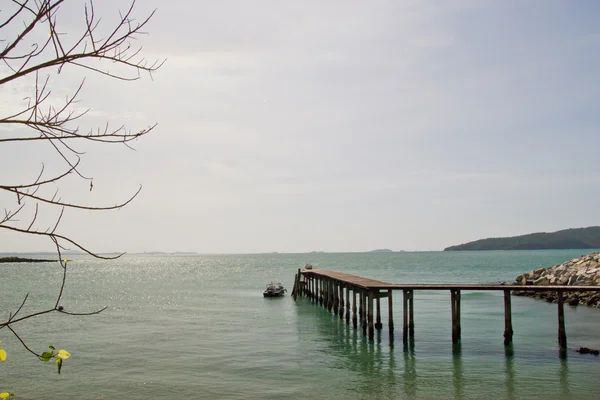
(34, 62)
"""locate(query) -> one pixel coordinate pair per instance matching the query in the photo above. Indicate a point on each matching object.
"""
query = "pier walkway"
(338, 292)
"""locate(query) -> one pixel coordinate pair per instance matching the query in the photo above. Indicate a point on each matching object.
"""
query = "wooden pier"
(358, 300)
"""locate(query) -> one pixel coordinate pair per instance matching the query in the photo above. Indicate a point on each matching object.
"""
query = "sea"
(198, 327)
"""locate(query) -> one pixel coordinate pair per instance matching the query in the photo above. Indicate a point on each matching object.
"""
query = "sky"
(333, 125)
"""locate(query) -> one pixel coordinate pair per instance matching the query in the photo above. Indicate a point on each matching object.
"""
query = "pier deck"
(372, 284)
(334, 291)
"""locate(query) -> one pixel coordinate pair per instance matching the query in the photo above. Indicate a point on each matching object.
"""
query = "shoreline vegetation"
(23, 260)
(582, 271)
(574, 238)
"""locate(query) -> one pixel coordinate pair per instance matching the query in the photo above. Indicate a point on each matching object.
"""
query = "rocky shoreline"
(582, 271)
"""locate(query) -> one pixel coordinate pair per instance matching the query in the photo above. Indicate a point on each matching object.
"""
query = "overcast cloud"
(338, 126)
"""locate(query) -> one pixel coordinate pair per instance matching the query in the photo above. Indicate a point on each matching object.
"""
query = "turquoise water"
(197, 327)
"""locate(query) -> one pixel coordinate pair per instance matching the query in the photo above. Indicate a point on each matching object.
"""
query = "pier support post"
(348, 305)
(378, 324)
(326, 293)
(390, 312)
(411, 314)
(341, 303)
(296, 285)
(562, 334)
(354, 317)
(363, 312)
(508, 330)
(336, 297)
(330, 294)
(455, 300)
(405, 315)
(370, 317)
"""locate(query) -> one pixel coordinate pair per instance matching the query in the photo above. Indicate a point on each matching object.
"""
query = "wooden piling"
(562, 334)
(363, 312)
(326, 293)
(390, 312)
(370, 316)
(321, 291)
(455, 300)
(354, 317)
(348, 304)
(341, 311)
(508, 330)
(405, 315)
(411, 314)
(330, 294)
(335, 296)
(378, 324)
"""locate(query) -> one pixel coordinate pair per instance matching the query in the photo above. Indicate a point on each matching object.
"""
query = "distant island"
(381, 251)
(22, 260)
(575, 238)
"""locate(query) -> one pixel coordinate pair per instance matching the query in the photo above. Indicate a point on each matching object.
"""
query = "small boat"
(274, 289)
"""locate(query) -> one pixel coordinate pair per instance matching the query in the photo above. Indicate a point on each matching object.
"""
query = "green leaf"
(59, 363)
(47, 355)
(52, 348)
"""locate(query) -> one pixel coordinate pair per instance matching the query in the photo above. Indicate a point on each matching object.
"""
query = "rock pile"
(583, 271)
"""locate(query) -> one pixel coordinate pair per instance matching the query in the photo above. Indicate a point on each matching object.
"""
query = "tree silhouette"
(34, 50)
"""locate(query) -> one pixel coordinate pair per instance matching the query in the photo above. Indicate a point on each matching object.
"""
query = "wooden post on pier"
(405, 315)
(330, 294)
(321, 291)
(296, 285)
(341, 312)
(336, 298)
(455, 300)
(370, 316)
(411, 314)
(378, 323)
(363, 312)
(562, 335)
(508, 330)
(348, 305)
(354, 317)
(390, 312)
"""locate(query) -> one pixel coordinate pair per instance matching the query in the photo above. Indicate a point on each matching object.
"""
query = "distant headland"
(575, 238)
(22, 260)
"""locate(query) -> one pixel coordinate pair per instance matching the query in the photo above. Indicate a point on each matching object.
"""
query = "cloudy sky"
(333, 125)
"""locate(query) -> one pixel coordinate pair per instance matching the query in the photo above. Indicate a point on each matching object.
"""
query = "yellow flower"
(5, 395)
(63, 354)
(2, 357)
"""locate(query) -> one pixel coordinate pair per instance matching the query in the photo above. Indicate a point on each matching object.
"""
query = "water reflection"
(457, 370)
(410, 371)
(373, 361)
(565, 392)
(509, 371)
